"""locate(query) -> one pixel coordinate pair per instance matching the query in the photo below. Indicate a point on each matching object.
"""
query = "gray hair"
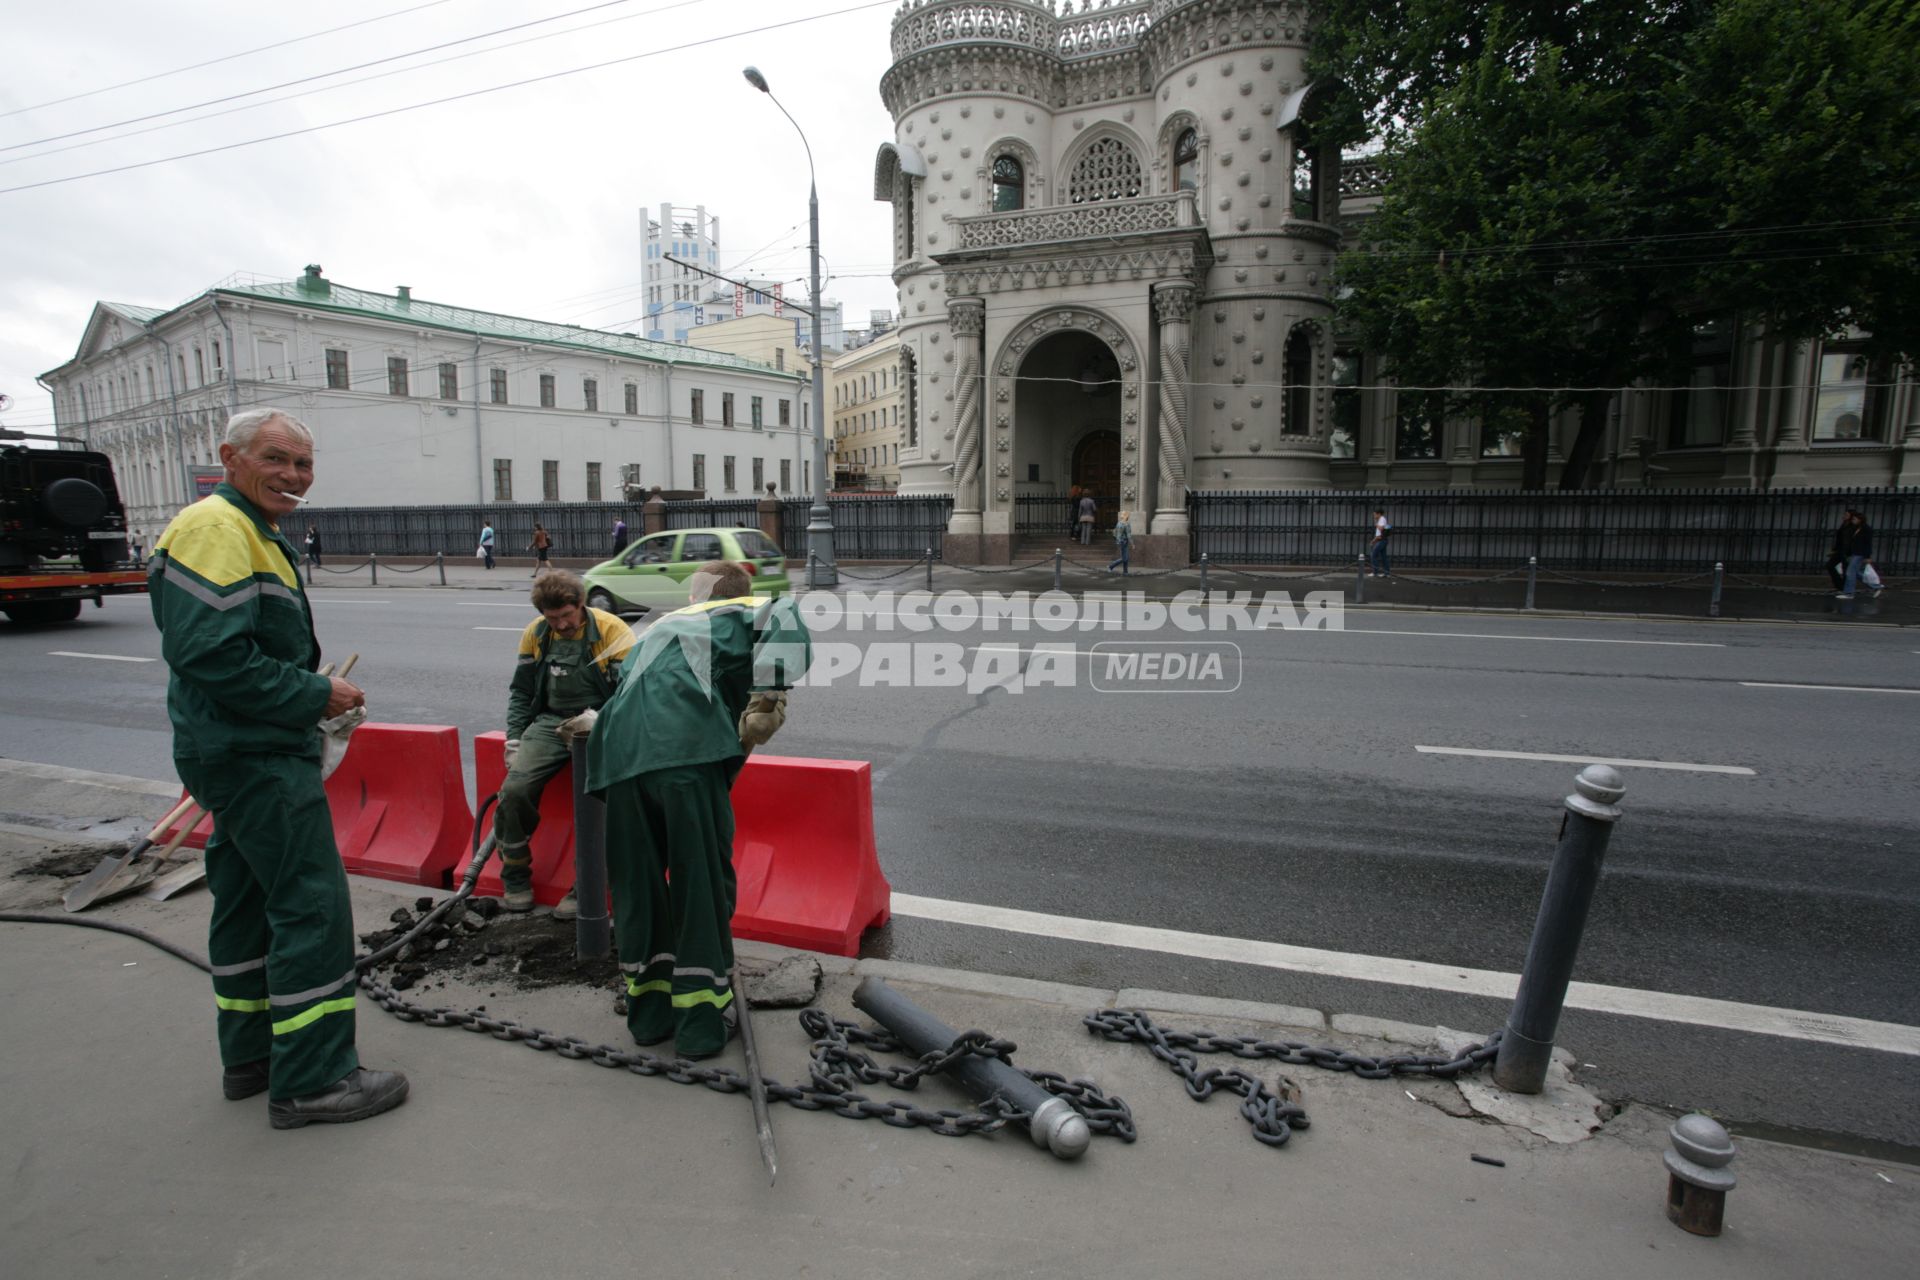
(242, 427)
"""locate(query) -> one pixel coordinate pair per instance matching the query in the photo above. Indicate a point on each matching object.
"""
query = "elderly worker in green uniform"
(569, 663)
(706, 684)
(245, 701)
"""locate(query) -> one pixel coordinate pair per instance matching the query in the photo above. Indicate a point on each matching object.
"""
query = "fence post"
(1533, 573)
(929, 570)
(440, 558)
(1056, 568)
(374, 560)
(1359, 579)
(1526, 1048)
(1719, 572)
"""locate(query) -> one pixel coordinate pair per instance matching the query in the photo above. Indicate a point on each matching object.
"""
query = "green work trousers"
(517, 815)
(281, 937)
(670, 866)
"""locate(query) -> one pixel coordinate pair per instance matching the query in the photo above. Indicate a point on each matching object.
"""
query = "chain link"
(1457, 582)
(349, 569)
(1558, 576)
(916, 566)
(1273, 1118)
(419, 568)
(1279, 577)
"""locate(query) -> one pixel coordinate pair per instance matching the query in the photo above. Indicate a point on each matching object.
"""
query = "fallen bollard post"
(1054, 1124)
(592, 934)
(1533, 573)
(1719, 573)
(1697, 1177)
(1527, 1047)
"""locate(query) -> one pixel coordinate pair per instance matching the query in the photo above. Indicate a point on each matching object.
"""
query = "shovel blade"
(176, 881)
(89, 890)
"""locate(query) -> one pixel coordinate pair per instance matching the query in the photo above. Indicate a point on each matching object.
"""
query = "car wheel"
(601, 600)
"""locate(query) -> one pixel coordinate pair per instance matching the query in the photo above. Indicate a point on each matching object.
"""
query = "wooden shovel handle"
(172, 846)
(173, 813)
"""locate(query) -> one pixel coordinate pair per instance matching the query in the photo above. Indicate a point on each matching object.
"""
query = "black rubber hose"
(36, 917)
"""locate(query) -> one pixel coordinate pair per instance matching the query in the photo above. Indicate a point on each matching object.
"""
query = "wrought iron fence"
(1661, 531)
(1046, 514)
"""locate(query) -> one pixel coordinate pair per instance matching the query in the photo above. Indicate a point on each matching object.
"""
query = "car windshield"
(755, 545)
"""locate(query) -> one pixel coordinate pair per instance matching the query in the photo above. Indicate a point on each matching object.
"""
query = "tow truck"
(63, 534)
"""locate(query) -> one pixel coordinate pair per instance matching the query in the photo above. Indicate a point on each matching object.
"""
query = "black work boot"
(244, 1080)
(357, 1096)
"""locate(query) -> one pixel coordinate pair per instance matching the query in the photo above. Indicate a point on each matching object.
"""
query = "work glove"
(765, 713)
(334, 732)
(578, 727)
(513, 749)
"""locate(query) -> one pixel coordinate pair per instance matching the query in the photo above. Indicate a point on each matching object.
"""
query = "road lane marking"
(327, 600)
(1066, 649)
(496, 604)
(515, 630)
(1659, 1006)
(1488, 635)
(103, 657)
(1831, 688)
(1680, 766)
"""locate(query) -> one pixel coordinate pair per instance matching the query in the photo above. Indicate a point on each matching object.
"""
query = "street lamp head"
(757, 80)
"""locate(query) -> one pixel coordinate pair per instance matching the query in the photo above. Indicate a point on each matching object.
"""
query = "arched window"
(1186, 158)
(1009, 184)
(1306, 182)
(1106, 170)
(1299, 377)
(906, 383)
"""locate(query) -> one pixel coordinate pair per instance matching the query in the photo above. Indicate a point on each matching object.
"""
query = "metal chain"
(350, 569)
(1338, 572)
(1457, 582)
(1273, 1118)
(1598, 582)
(882, 577)
(835, 1068)
(1745, 581)
(419, 568)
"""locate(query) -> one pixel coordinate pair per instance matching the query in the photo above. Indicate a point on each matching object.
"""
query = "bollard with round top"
(1698, 1179)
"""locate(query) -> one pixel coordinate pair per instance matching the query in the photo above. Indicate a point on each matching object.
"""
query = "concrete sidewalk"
(124, 1160)
(1783, 600)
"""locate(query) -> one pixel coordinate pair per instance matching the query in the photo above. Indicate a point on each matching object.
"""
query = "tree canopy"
(1570, 188)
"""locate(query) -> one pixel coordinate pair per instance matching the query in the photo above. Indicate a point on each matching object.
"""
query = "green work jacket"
(236, 633)
(687, 682)
(608, 641)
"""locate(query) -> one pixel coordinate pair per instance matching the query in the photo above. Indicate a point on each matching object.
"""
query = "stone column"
(1173, 309)
(967, 319)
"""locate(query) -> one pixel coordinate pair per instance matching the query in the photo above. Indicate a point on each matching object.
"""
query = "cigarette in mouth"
(297, 498)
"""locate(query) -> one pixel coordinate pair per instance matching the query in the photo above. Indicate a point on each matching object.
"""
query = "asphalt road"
(1296, 809)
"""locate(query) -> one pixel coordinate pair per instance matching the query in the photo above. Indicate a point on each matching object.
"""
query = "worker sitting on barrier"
(705, 685)
(569, 663)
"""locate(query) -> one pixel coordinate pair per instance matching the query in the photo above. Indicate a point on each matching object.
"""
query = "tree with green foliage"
(1571, 187)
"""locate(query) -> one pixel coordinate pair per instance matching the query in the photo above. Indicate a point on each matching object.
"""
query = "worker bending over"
(569, 663)
(705, 685)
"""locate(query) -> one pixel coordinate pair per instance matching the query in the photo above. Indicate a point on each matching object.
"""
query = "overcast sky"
(527, 200)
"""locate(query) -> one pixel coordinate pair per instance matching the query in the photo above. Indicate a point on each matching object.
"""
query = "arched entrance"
(1067, 437)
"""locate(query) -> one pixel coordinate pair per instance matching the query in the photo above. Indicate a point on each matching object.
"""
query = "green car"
(652, 573)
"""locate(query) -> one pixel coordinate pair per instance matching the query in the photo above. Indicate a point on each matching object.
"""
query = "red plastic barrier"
(552, 843)
(804, 856)
(399, 805)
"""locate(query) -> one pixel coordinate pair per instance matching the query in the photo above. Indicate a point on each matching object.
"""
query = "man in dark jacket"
(245, 701)
(1852, 548)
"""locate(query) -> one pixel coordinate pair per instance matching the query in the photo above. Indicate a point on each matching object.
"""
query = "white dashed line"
(1830, 688)
(1680, 766)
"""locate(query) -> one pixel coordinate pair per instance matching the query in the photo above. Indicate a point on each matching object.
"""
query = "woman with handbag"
(1123, 534)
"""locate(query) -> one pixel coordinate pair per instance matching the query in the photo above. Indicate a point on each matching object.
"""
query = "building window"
(497, 382)
(1306, 183)
(780, 358)
(449, 381)
(906, 381)
(503, 480)
(180, 357)
(1848, 404)
(1186, 160)
(1299, 379)
(1417, 431)
(590, 394)
(546, 391)
(550, 479)
(199, 368)
(1344, 373)
(806, 477)
(786, 474)
(700, 472)
(759, 474)
(786, 413)
(633, 400)
(726, 411)
(727, 472)
(1106, 170)
(758, 415)
(1009, 184)
(397, 376)
(697, 410)
(593, 482)
(1503, 433)
(1698, 409)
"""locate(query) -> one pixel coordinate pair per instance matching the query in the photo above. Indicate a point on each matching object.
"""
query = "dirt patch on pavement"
(62, 864)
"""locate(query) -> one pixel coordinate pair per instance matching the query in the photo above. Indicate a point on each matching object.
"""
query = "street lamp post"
(822, 571)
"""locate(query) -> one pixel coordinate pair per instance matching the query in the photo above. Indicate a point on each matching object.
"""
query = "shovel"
(136, 875)
(88, 891)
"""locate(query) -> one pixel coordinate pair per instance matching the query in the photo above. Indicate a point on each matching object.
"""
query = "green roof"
(139, 315)
(438, 315)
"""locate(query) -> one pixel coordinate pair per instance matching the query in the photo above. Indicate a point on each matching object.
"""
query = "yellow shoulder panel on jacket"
(218, 542)
(616, 637)
(530, 639)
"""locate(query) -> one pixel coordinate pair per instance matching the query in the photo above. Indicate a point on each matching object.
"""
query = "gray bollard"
(1056, 568)
(1719, 573)
(1527, 1046)
(1055, 1125)
(440, 558)
(1206, 592)
(1533, 573)
(592, 933)
(813, 578)
(374, 560)
(1697, 1176)
(1360, 580)
(929, 570)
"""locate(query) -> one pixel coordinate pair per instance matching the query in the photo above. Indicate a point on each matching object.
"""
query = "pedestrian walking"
(619, 535)
(1123, 534)
(541, 545)
(1852, 548)
(313, 546)
(1088, 510)
(1073, 511)
(485, 549)
(1377, 549)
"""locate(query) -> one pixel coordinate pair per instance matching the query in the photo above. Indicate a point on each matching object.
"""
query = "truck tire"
(74, 503)
(34, 613)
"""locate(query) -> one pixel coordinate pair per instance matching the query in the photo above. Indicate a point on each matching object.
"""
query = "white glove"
(578, 727)
(765, 713)
(513, 749)
(333, 738)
